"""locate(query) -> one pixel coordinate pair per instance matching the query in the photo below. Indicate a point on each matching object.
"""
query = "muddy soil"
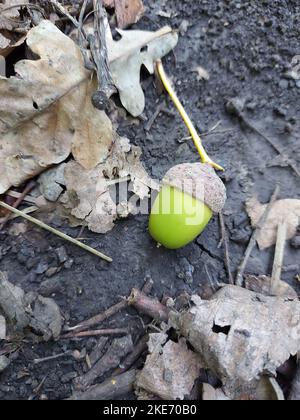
(246, 47)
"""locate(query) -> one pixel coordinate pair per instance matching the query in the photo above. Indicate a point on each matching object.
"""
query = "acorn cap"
(200, 181)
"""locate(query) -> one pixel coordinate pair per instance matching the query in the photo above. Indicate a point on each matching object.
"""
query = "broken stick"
(279, 256)
(112, 389)
(252, 242)
(148, 306)
(29, 187)
(95, 333)
(224, 240)
(55, 231)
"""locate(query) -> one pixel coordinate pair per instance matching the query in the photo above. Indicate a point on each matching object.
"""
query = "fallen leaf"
(126, 56)
(240, 335)
(128, 12)
(41, 315)
(287, 210)
(170, 369)
(88, 199)
(46, 320)
(2, 328)
(45, 111)
(10, 18)
(88, 196)
(263, 284)
(202, 74)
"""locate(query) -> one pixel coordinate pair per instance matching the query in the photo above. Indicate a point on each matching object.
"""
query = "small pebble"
(62, 254)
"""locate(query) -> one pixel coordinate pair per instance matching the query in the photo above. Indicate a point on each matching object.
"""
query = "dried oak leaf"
(88, 196)
(263, 284)
(46, 112)
(170, 369)
(240, 335)
(10, 18)
(126, 56)
(282, 211)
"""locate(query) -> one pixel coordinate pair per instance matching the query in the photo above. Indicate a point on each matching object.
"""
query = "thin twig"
(95, 333)
(279, 257)
(112, 389)
(55, 232)
(55, 357)
(108, 313)
(151, 120)
(18, 201)
(64, 12)
(226, 248)
(100, 317)
(253, 239)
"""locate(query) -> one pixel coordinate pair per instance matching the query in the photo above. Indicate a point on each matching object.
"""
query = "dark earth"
(247, 47)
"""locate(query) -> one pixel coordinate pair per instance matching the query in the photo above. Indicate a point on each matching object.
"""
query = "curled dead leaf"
(282, 211)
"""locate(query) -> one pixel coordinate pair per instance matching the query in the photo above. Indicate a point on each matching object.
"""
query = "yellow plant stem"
(195, 136)
(55, 231)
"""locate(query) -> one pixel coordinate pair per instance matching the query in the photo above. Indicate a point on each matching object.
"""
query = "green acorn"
(190, 194)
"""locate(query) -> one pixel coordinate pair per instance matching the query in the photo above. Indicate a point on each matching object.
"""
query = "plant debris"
(170, 369)
(51, 107)
(229, 332)
(287, 210)
(126, 56)
(22, 311)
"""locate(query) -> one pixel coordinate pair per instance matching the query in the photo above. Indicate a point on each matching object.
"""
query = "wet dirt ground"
(246, 47)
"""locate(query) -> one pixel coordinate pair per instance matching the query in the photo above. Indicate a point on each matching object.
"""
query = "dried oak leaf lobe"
(45, 111)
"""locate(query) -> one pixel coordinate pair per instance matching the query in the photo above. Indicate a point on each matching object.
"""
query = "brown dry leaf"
(128, 12)
(282, 211)
(10, 18)
(126, 56)
(240, 335)
(88, 196)
(263, 284)
(170, 369)
(45, 112)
